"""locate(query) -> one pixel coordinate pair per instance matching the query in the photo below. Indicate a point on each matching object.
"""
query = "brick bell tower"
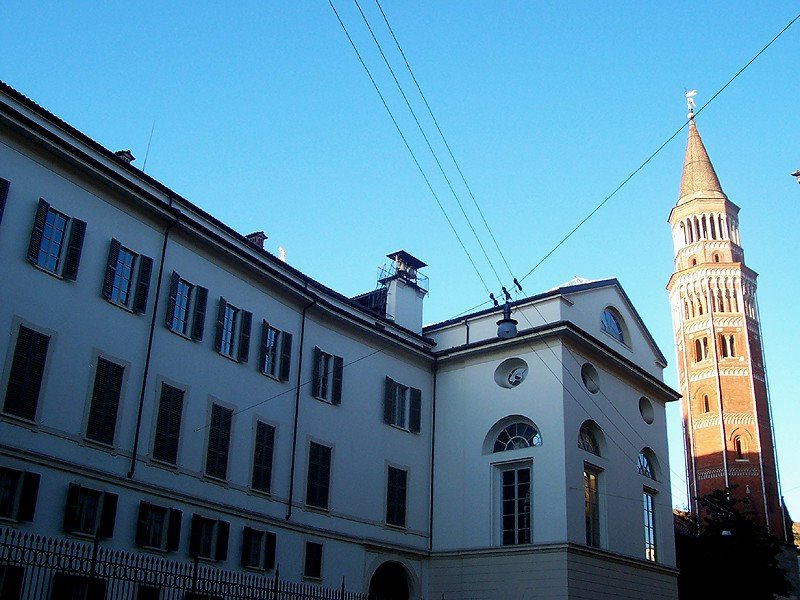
(726, 415)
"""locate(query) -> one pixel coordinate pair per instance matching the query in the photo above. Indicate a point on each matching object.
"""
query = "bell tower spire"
(721, 372)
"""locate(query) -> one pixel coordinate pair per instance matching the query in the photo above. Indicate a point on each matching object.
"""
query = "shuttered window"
(258, 549)
(158, 527)
(219, 437)
(233, 331)
(27, 370)
(326, 378)
(276, 352)
(319, 475)
(396, 486)
(168, 424)
(127, 277)
(186, 308)
(4, 187)
(312, 562)
(90, 512)
(209, 538)
(56, 241)
(19, 491)
(262, 457)
(402, 406)
(105, 402)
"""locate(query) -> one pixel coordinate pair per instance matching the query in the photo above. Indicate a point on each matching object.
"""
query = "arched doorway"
(389, 582)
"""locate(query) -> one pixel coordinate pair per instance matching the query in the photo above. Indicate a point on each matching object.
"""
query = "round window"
(511, 372)
(590, 378)
(646, 410)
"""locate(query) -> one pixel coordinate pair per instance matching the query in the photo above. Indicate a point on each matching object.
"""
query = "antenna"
(146, 154)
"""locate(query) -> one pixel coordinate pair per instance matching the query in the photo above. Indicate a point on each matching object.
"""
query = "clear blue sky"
(264, 118)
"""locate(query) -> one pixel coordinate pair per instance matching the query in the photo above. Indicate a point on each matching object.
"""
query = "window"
(700, 349)
(186, 308)
(262, 457)
(233, 331)
(396, 486)
(168, 424)
(209, 538)
(18, 493)
(591, 505)
(258, 549)
(611, 323)
(158, 527)
(326, 380)
(312, 563)
(219, 437)
(587, 440)
(56, 242)
(649, 498)
(102, 422)
(516, 504)
(402, 406)
(90, 512)
(4, 187)
(645, 466)
(740, 447)
(706, 404)
(727, 345)
(319, 475)
(127, 278)
(276, 352)
(517, 435)
(27, 370)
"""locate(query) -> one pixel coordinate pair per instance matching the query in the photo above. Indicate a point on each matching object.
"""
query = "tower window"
(740, 447)
(706, 404)
(700, 349)
(716, 257)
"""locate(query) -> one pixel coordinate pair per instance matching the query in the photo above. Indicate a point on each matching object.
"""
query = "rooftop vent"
(125, 155)
(258, 238)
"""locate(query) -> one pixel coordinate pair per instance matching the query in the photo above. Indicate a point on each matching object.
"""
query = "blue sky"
(265, 118)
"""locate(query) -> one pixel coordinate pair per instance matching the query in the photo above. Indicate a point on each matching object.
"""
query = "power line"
(408, 147)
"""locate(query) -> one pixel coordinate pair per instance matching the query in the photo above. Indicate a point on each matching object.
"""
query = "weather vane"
(690, 94)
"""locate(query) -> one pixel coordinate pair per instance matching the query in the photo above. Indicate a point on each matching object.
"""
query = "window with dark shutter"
(233, 331)
(209, 538)
(319, 473)
(396, 497)
(415, 411)
(258, 549)
(73, 258)
(199, 315)
(18, 494)
(90, 512)
(402, 406)
(186, 308)
(25, 377)
(126, 281)
(244, 336)
(4, 187)
(262, 457)
(219, 435)
(312, 563)
(105, 402)
(326, 379)
(168, 424)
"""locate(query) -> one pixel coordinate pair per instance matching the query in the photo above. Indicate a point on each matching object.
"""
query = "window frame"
(650, 529)
(233, 341)
(318, 476)
(593, 505)
(396, 513)
(30, 416)
(213, 466)
(193, 313)
(83, 519)
(70, 246)
(267, 549)
(318, 548)
(217, 543)
(521, 534)
(613, 325)
(19, 492)
(96, 413)
(170, 532)
(275, 356)
(266, 468)
(411, 411)
(327, 377)
(137, 290)
(156, 455)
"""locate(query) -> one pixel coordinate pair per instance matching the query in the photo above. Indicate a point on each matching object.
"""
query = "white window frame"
(498, 472)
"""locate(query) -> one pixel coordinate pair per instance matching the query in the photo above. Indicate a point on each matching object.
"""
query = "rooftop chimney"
(405, 289)
(125, 155)
(258, 238)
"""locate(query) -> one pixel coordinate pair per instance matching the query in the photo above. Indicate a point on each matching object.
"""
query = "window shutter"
(37, 231)
(108, 516)
(223, 529)
(143, 284)
(198, 321)
(286, 356)
(174, 529)
(220, 324)
(27, 369)
(247, 537)
(173, 299)
(262, 356)
(71, 510)
(315, 372)
(28, 496)
(4, 185)
(244, 336)
(415, 411)
(111, 268)
(269, 550)
(194, 537)
(73, 257)
(97, 428)
(338, 367)
(141, 523)
(388, 400)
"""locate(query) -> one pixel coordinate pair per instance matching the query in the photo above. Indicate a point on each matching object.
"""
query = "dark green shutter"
(27, 370)
(286, 356)
(223, 530)
(338, 367)
(173, 299)
(315, 372)
(174, 529)
(263, 347)
(71, 509)
(247, 536)
(143, 284)
(111, 267)
(28, 496)
(108, 516)
(198, 320)
(244, 336)
(415, 412)
(37, 231)
(388, 399)
(73, 257)
(220, 324)
(194, 536)
(142, 524)
(269, 550)
(4, 185)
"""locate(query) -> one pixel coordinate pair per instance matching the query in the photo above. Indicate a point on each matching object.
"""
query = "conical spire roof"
(698, 172)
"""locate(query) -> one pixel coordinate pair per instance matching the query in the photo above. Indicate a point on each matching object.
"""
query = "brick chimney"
(258, 238)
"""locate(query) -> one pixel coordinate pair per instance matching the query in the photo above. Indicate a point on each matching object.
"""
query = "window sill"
(185, 336)
(271, 376)
(102, 446)
(229, 357)
(393, 527)
(216, 480)
(21, 421)
(154, 549)
(157, 462)
(325, 400)
(317, 509)
(118, 304)
(314, 579)
(48, 271)
(257, 492)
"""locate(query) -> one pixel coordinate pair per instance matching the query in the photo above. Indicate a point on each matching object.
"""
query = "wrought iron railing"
(36, 567)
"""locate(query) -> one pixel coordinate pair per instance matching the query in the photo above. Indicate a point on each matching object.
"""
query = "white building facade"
(170, 388)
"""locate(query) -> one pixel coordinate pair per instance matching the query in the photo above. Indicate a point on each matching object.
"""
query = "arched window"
(587, 440)
(716, 257)
(740, 447)
(517, 435)
(611, 322)
(645, 466)
(706, 404)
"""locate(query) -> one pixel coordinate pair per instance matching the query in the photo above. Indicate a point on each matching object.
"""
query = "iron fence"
(36, 567)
